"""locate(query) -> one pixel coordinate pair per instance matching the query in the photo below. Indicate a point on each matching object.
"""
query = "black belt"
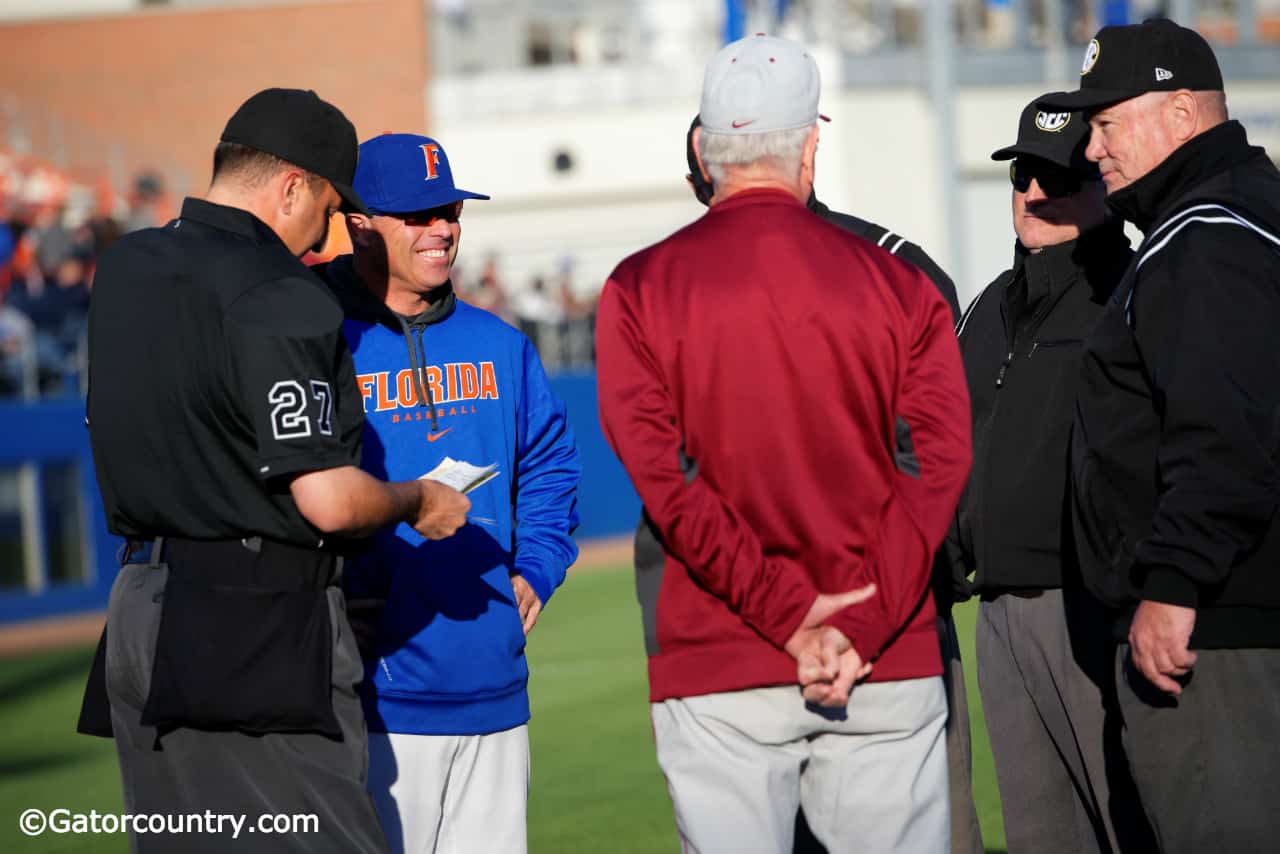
(248, 562)
(142, 551)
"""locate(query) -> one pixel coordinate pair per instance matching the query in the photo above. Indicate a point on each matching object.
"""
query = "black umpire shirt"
(217, 368)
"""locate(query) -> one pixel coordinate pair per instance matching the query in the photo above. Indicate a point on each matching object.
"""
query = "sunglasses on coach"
(450, 212)
(1054, 180)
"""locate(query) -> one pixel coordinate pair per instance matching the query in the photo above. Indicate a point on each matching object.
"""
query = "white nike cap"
(760, 84)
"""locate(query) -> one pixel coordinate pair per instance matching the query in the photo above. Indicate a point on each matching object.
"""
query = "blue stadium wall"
(51, 434)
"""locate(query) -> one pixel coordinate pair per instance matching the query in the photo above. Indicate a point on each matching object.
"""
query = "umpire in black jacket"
(1044, 658)
(1176, 455)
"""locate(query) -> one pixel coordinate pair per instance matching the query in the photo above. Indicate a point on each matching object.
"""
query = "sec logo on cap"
(1052, 122)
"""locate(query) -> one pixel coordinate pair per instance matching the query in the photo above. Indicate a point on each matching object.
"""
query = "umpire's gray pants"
(1206, 761)
(1045, 674)
(966, 834)
(872, 777)
(193, 771)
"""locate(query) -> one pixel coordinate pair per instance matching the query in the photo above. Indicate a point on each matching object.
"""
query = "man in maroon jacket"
(789, 402)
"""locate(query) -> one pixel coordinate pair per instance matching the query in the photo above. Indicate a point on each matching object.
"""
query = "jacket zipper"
(1031, 323)
(1004, 369)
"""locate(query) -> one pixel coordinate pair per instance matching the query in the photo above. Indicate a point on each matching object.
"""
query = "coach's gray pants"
(1045, 674)
(1206, 762)
(966, 834)
(872, 777)
(193, 771)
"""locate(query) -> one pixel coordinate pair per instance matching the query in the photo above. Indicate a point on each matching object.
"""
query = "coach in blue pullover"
(445, 685)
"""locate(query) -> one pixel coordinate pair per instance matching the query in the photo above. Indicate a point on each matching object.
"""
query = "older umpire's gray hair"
(778, 150)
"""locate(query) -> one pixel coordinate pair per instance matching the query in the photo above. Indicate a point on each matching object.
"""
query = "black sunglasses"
(450, 212)
(1056, 181)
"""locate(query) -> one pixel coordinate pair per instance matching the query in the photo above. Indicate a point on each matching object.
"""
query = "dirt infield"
(24, 638)
(604, 554)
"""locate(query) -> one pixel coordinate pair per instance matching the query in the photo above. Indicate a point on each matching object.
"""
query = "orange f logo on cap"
(431, 152)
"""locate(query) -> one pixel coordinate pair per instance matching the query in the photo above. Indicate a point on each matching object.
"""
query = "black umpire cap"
(300, 128)
(1123, 62)
(1059, 137)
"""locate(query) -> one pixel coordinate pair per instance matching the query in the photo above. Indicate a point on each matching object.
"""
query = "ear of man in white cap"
(760, 84)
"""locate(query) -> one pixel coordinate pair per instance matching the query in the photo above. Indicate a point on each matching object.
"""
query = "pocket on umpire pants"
(133, 621)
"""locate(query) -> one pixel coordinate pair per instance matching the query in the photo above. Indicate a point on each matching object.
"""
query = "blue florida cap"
(403, 173)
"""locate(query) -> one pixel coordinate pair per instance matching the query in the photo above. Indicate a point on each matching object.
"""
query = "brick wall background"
(115, 94)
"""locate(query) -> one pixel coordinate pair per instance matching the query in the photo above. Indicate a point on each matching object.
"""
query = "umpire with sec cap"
(1043, 652)
(1176, 449)
(226, 428)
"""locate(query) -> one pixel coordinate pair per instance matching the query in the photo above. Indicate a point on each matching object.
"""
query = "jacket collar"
(757, 196)
(1149, 199)
(226, 218)
(1098, 256)
(816, 206)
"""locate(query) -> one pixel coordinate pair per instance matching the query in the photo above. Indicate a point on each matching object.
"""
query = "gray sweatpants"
(966, 833)
(189, 771)
(1045, 674)
(1206, 762)
(872, 777)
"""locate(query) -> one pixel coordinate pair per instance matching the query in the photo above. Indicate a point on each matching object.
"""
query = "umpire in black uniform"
(1176, 452)
(226, 429)
(1043, 652)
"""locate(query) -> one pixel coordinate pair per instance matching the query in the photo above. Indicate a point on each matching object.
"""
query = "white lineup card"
(462, 476)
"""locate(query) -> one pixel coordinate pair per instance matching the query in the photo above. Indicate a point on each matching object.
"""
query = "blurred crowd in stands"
(52, 232)
(558, 320)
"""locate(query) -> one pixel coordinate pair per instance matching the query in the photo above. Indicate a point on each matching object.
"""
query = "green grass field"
(596, 785)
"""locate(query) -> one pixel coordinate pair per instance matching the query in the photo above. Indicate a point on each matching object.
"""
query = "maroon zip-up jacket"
(813, 382)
